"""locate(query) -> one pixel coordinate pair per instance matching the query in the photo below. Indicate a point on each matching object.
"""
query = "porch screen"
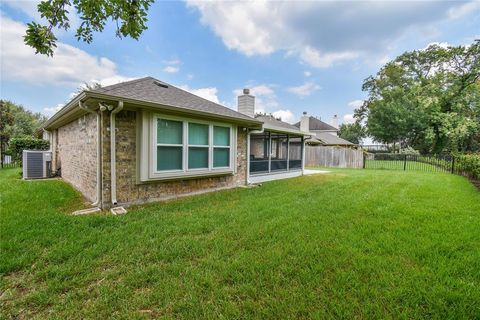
(295, 153)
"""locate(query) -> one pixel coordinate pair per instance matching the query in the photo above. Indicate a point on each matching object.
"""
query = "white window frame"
(149, 141)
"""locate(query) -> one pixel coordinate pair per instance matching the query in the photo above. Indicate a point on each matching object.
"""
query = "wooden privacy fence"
(331, 156)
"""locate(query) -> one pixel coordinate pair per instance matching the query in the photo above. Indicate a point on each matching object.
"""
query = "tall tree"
(427, 99)
(6, 121)
(353, 132)
(130, 17)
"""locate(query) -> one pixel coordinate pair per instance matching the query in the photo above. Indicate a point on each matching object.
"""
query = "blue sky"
(295, 56)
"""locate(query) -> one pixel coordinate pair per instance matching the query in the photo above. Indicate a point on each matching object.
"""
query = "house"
(322, 133)
(146, 140)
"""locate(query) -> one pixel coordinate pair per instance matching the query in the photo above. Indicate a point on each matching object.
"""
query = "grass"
(349, 244)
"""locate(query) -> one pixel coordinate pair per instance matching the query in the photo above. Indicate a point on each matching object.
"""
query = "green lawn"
(348, 244)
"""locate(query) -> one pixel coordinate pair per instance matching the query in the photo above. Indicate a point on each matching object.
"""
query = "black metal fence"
(396, 161)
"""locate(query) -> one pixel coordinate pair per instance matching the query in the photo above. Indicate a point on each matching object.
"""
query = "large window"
(184, 147)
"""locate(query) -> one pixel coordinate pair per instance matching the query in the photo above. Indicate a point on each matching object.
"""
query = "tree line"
(19, 128)
(426, 99)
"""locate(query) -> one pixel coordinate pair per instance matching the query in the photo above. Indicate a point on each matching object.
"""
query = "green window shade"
(197, 158)
(221, 157)
(197, 134)
(169, 131)
(169, 158)
(221, 136)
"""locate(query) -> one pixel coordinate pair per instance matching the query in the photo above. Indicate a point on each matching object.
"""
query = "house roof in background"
(330, 139)
(273, 124)
(317, 124)
(152, 90)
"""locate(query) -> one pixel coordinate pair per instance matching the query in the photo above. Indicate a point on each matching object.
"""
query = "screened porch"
(272, 153)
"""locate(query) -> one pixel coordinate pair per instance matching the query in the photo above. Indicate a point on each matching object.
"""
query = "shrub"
(17, 145)
(468, 164)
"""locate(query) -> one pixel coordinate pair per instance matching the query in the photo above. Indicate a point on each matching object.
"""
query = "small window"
(221, 150)
(198, 138)
(221, 136)
(169, 132)
(197, 134)
(169, 145)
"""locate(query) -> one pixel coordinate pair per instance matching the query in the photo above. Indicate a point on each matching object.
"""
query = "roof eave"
(72, 107)
(284, 130)
(69, 108)
(144, 103)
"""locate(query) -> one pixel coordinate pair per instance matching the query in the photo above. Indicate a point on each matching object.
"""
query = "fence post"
(405, 163)
(453, 164)
(364, 156)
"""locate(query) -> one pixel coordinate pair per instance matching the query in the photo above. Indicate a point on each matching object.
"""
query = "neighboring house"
(322, 133)
(146, 140)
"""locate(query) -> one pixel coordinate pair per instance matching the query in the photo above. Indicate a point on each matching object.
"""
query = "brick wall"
(128, 191)
(74, 147)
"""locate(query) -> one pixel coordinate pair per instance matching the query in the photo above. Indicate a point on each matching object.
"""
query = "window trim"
(150, 120)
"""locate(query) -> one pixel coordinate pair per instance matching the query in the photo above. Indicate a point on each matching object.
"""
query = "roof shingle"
(152, 90)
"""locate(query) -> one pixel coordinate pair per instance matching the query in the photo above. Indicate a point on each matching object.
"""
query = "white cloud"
(325, 60)
(69, 65)
(348, 118)
(355, 104)
(307, 73)
(305, 89)
(209, 93)
(51, 111)
(29, 7)
(285, 115)
(172, 65)
(305, 28)
(170, 69)
(464, 9)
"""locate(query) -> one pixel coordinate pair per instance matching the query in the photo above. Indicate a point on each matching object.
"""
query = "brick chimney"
(246, 103)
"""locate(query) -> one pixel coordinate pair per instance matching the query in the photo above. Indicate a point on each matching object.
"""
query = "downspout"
(98, 201)
(113, 151)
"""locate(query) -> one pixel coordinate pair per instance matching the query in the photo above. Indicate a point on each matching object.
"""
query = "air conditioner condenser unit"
(37, 164)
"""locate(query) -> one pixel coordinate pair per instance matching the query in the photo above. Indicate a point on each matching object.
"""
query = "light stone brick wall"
(74, 148)
(129, 192)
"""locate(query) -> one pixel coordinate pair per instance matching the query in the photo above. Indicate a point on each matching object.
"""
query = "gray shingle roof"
(330, 139)
(317, 124)
(156, 91)
(270, 123)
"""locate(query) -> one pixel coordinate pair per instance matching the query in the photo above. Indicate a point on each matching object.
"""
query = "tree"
(130, 17)
(6, 120)
(427, 99)
(353, 132)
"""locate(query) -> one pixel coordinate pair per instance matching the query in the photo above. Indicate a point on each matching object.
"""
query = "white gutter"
(113, 151)
(98, 201)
